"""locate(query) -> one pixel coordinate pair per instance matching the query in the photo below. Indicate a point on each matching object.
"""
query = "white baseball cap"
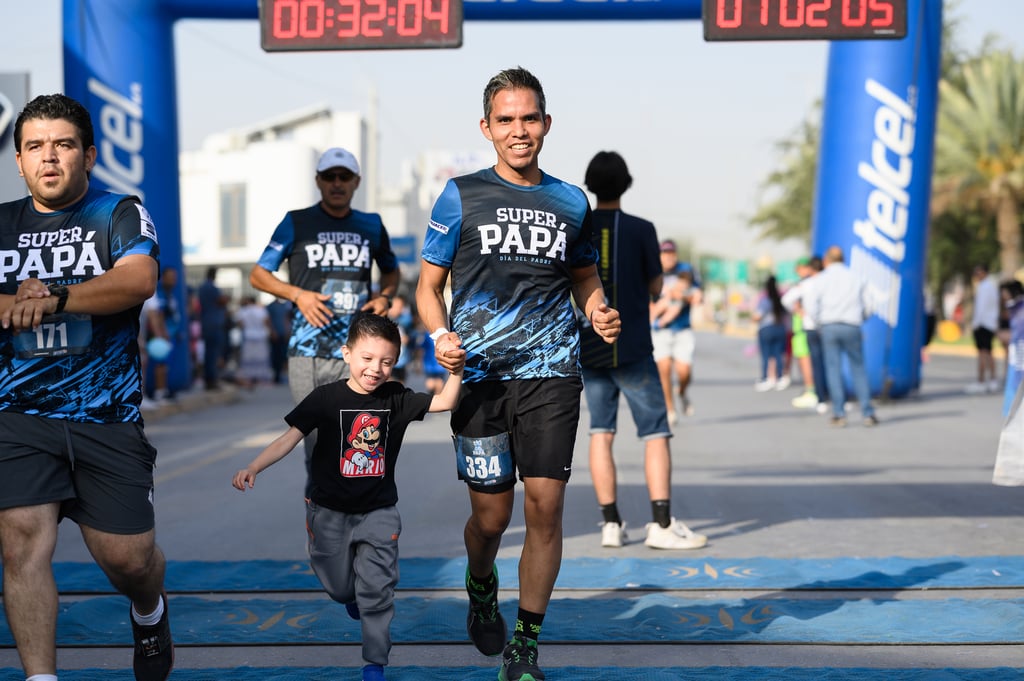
(336, 157)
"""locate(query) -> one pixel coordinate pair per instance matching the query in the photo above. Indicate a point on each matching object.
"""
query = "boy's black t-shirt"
(358, 440)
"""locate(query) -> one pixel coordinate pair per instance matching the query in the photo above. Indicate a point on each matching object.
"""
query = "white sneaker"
(822, 408)
(995, 386)
(808, 400)
(765, 385)
(978, 388)
(148, 404)
(676, 536)
(783, 383)
(613, 535)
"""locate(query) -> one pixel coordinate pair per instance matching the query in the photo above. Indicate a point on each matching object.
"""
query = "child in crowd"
(351, 517)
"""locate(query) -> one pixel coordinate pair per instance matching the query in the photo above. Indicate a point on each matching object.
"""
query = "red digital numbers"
(804, 19)
(360, 24)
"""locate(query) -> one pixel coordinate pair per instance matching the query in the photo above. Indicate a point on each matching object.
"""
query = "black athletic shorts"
(539, 415)
(101, 472)
(983, 338)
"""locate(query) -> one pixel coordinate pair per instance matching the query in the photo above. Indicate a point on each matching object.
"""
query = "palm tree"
(979, 147)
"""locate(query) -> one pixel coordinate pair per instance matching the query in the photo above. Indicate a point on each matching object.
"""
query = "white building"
(239, 185)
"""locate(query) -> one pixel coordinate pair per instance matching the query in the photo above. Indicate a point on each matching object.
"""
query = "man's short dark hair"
(369, 325)
(56, 107)
(607, 176)
(513, 79)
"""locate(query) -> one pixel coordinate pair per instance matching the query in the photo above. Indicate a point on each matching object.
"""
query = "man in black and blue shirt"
(77, 264)
(516, 243)
(330, 249)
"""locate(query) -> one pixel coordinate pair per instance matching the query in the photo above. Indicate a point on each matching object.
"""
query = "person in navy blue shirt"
(631, 272)
(78, 264)
(516, 243)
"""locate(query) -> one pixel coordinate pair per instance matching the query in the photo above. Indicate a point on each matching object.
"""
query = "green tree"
(979, 147)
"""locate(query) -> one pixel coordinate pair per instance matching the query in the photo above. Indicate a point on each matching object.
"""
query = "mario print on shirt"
(363, 454)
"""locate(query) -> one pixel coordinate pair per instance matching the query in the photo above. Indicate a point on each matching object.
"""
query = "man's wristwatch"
(61, 291)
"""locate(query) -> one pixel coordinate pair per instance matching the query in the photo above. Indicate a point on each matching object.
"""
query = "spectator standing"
(770, 315)
(631, 274)
(279, 312)
(254, 354)
(213, 317)
(984, 325)
(71, 438)
(517, 244)
(674, 340)
(837, 303)
(816, 397)
(330, 249)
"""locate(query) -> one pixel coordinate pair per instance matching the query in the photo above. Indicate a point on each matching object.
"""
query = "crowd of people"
(528, 300)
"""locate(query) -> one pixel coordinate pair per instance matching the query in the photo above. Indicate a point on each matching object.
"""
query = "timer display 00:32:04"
(294, 25)
(804, 19)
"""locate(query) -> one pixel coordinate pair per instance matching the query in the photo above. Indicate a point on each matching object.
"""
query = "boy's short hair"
(369, 325)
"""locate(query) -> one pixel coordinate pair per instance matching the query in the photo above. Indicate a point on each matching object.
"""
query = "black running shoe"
(485, 624)
(154, 649)
(519, 661)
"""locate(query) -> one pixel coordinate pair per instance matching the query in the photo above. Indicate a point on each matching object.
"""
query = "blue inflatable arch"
(874, 174)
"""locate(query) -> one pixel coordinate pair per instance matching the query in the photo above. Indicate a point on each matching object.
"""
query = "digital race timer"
(359, 24)
(804, 19)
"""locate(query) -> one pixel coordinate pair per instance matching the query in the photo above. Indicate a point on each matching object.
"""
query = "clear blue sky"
(697, 122)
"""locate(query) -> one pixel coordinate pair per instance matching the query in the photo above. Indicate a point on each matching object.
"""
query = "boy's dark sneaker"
(519, 661)
(485, 624)
(154, 649)
(373, 672)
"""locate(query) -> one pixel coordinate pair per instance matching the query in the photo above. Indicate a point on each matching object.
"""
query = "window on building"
(232, 215)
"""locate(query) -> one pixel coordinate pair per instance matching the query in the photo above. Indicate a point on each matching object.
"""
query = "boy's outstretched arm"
(274, 452)
(449, 395)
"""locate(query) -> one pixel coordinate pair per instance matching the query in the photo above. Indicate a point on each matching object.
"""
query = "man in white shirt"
(835, 300)
(984, 323)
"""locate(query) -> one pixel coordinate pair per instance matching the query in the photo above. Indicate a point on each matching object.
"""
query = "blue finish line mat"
(561, 674)
(949, 572)
(648, 618)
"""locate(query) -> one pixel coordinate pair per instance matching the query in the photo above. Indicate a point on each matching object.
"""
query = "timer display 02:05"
(804, 19)
(293, 25)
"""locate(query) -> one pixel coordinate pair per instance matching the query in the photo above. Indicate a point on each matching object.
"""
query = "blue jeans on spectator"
(838, 340)
(772, 341)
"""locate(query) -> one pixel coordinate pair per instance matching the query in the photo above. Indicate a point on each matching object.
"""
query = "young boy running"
(351, 517)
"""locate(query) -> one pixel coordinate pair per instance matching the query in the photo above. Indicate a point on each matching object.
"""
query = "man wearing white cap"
(330, 248)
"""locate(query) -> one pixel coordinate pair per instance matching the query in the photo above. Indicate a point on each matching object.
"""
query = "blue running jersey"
(329, 255)
(77, 367)
(511, 250)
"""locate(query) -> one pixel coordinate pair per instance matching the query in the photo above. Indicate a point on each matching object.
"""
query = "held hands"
(606, 322)
(449, 353)
(31, 304)
(244, 478)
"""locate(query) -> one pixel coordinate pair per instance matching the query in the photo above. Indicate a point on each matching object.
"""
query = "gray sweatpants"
(304, 374)
(355, 557)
